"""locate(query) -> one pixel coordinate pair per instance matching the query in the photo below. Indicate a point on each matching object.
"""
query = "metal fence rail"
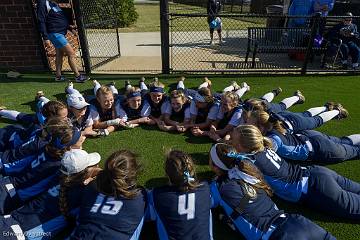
(281, 46)
(100, 26)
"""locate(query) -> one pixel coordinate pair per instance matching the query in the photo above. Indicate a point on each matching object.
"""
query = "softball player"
(31, 176)
(182, 209)
(316, 186)
(49, 213)
(245, 198)
(308, 144)
(113, 206)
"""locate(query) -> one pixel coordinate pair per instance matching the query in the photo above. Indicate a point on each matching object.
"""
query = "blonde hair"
(103, 90)
(251, 139)
(178, 94)
(262, 119)
(178, 164)
(254, 104)
(119, 177)
(234, 98)
(245, 166)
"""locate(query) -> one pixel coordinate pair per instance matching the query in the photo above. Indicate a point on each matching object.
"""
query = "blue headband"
(239, 156)
(157, 89)
(75, 137)
(133, 94)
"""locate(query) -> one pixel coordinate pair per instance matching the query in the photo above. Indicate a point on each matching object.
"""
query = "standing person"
(54, 25)
(213, 9)
(113, 206)
(240, 189)
(182, 209)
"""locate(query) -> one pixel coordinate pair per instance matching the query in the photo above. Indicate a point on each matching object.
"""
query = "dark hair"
(177, 165)
(57, 128)
(244, 165)
(119, 175)
(52, 108)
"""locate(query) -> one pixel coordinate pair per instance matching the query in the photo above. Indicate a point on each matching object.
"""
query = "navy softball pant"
(302, 120)
(329, 149)
(332, 193)
(275, 107)
(300, 228)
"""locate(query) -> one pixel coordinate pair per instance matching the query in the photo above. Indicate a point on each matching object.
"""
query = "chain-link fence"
(254, 43)
(101, 29)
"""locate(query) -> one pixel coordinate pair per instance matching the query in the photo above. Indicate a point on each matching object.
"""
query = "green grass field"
(151, 144)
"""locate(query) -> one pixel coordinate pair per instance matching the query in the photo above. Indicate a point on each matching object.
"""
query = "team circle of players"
(48, 183)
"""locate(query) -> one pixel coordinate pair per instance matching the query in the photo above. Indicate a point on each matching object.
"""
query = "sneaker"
(245, 85)
(112, 83)
(70, 85)
(355, 66)
(127, 85)
(343, 112)
(235, 85)
(156, 79)
(330, 106)
(208, 81)
(182, 78)
(2, 108)
(95, 82)
(277, 91)
(60, 78)
(38, 95)
(81, 78)
(301, 97)
(211, 43)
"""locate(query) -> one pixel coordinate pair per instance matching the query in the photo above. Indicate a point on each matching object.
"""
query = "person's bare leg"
(220, 37)
(59, 61)
(69, 51)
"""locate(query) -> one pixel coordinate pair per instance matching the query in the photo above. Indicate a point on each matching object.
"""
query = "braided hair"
(119, 175)
(179, 167)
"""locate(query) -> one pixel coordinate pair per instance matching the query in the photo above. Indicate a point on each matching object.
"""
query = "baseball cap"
(76, 160)
(76, 101)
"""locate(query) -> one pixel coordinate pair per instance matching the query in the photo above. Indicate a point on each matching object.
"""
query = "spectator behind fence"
(213, 9)
(347, 32)
(54, 25)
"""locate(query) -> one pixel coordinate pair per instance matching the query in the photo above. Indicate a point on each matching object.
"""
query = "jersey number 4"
(108, 205)
(186, 205)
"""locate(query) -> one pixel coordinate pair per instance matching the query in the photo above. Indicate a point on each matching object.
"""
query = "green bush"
(108, 13)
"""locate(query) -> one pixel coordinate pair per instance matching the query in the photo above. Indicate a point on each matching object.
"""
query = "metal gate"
(98, 30)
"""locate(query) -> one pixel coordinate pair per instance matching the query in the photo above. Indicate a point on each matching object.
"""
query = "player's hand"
(180, 128)
(73, 29)
(197, 131)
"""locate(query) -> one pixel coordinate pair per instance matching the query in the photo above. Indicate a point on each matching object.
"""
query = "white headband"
(233, 173)
(199, 98)
(215, 158)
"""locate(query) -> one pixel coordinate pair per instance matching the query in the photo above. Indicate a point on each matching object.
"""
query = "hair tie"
(239, 156)
(187, 177)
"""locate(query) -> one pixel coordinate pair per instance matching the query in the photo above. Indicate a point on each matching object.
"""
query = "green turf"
(151, 144)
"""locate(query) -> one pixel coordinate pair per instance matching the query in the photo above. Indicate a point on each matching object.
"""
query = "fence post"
(309, 50)
(82, 37)
(164, 29)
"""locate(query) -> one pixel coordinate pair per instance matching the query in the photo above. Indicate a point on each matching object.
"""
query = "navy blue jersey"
(51, 18)
(291, 146)
(180, 116)
(132, 113)
(155, 108)
(258, 213)
(182, 215)
(82, 124)
(286, 179)
(108, 114)
(42, 215)
(104, 217)
(202, 114)
(227, 117)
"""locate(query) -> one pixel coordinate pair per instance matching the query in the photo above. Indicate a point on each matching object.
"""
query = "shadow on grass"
(200, 158)
(196, 140)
